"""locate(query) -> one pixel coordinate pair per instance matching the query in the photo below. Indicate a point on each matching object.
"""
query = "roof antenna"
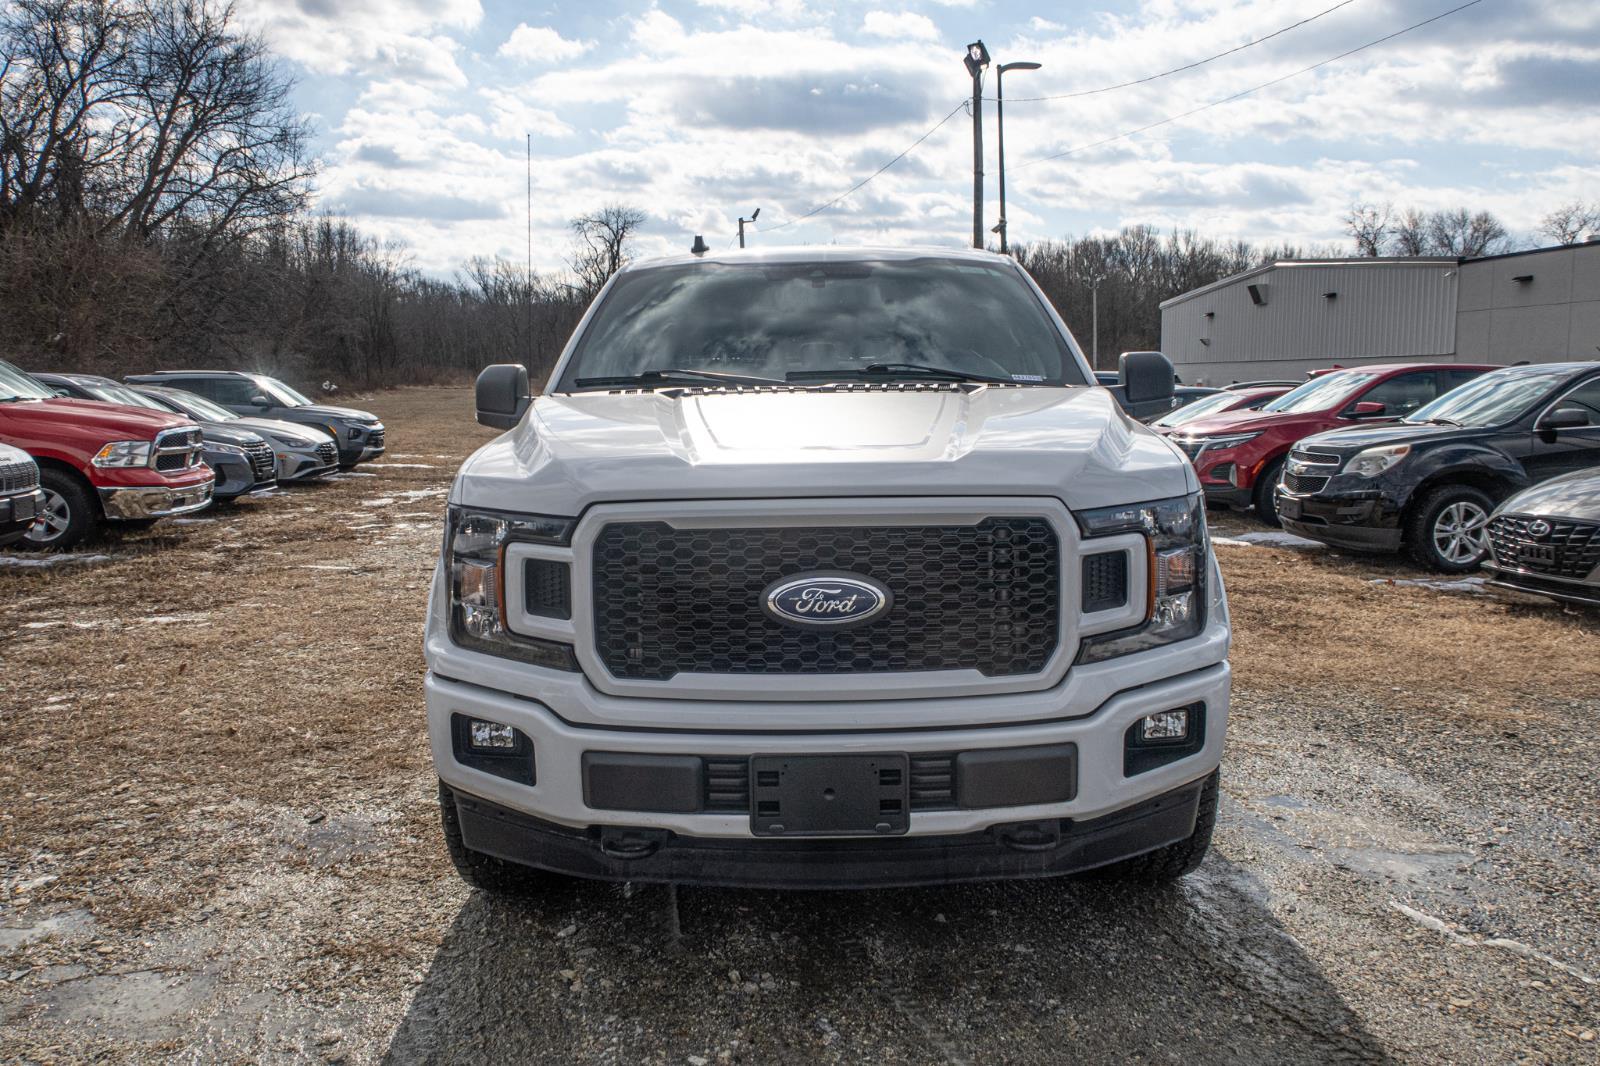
(699, 247)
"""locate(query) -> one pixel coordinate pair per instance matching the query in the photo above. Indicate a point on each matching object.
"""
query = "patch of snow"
(379, 501)
(1272, 538)
(324, 566)
(421, 494)
(346, 475)
(1441, 584)
(174, 619)
(191, 521)
(46, 561)
(408, 466)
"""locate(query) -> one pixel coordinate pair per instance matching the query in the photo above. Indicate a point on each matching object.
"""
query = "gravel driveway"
(219, 838)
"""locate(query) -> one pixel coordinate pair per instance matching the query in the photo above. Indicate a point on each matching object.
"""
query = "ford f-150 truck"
(100, 462)
(825, 568)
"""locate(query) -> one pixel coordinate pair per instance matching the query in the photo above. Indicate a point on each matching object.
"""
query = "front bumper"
(134, 502)
(1584, 593)
(1362, 523)
(17, 513)
(302, 466)
(558, 796)
(1039, 848)
(237, 479)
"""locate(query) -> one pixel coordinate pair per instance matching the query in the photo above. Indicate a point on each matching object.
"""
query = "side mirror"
(503, 395)
(1369, 409)
(1146, 378)
(258, 400)
(1565, 418)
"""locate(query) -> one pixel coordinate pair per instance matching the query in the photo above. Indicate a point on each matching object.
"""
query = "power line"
(909, 148)
(1246, 92)
(1187, 66)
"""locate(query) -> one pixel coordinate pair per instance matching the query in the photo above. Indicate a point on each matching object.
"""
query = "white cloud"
(766, 9)
(903, 25)
(542, 44)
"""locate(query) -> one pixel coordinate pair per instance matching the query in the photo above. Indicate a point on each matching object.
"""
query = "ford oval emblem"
(826, 600)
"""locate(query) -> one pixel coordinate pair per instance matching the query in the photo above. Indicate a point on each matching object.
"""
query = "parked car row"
(84, 450)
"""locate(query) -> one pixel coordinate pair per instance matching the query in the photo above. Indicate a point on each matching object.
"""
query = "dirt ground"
(219, 837)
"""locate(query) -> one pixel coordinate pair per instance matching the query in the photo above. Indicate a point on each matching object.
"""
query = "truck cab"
(100, 462)
(825, 568)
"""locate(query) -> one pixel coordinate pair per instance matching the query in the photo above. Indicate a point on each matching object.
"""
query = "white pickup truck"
(825, 568)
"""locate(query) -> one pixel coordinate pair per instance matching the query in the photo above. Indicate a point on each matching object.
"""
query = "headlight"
(1175, 531)
(292, 442)
(1375, 461)
(123, 453)
(475, 553)
(228, 449)
(1229, 441)
(355, 432)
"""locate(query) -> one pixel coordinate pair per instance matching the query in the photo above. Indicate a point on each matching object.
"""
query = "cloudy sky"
(699, 110)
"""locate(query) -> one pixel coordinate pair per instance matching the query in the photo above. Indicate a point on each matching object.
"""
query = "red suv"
(1239, 455)
(100, 462)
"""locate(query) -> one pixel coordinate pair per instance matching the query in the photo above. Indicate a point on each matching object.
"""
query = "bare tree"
(1569, 223)
(600, 244)
(1466, 234)
(1368, 225)
(1411, 233)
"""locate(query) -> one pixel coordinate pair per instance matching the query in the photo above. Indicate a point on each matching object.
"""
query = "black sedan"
(1429, 482)
(1546, 540)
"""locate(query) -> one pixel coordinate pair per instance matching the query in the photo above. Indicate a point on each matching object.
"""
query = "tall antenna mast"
(528, 279)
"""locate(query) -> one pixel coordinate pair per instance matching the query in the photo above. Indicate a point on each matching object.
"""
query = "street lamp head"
(1020, 65)
(755, 214)
(977, 58)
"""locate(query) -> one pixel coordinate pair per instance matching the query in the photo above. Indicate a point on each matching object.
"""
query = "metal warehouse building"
(1281, 320)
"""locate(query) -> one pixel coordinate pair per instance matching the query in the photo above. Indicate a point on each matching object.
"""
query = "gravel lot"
(219, 839)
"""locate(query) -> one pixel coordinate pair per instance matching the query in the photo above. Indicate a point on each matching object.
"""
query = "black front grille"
(1567, 549)
(1304, 484)
(172, 461)
(327, 452)
(375, 439)
(983, 597)
(18, 477)
(547, 588)
(262, 465)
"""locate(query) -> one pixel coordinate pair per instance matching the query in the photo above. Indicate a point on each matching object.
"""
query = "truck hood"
(1074, 444)
(109, 421)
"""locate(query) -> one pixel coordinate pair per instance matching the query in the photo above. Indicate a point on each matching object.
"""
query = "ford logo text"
(826, 600)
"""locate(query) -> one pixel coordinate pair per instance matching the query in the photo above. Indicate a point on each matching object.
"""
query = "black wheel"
(1447, 530)
(1266, 502)
(70, 513)
(486, 873)
(1174, 860)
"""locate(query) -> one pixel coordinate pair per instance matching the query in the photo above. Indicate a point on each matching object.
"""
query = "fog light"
(491, 736)
(1168, 725)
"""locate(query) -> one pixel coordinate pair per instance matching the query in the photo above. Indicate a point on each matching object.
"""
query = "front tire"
(486, 873)
(1447, 530)
(1173, 861)
(1266, 502)
(70, 513)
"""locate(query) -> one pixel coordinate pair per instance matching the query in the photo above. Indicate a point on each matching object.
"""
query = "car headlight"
(356, 431)
(1229, 441)
(228, 449)
(475, 543)
(1179, 550)
(1375, 461)
(123, 453)
(292, 442)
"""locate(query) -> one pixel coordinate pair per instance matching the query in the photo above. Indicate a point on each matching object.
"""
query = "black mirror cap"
(502, 392)
(1146, 377)
(1565, 418)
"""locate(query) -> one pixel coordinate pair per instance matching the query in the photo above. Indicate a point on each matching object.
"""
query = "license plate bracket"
(1288, 507)
(1537, 554)
(830, 795)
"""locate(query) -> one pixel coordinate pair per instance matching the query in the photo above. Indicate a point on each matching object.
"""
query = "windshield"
(1206, 405)
(199, 407)
(15, 385)
(906, 319)
(1319, 394)
(125, 396)
(1492, 400)
(280, 392)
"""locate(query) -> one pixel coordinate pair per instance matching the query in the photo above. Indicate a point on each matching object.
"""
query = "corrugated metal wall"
(1383, 310)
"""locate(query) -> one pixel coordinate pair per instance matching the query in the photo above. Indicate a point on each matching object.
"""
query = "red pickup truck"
(100, 462)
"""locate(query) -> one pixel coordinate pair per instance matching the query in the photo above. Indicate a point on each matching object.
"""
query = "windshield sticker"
(1027, 377)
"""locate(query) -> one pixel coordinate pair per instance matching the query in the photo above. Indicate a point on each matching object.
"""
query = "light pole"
(977, 61)
(1000, 129)
(747, 221)
(1094, 318)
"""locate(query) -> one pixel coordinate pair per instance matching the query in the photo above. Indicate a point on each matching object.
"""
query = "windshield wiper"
(1438, 421)
(942, 373)
(651, 377)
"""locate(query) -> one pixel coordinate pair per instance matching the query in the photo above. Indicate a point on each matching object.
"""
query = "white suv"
(825, 568)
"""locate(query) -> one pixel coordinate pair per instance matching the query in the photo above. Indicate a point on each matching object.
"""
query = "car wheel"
(1174, 860)
(489, 874)
(1448, 529)
(1266, 502)
(68, 516)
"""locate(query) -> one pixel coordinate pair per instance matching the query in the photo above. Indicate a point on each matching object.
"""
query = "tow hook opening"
(626, 842)
(1029, 836)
